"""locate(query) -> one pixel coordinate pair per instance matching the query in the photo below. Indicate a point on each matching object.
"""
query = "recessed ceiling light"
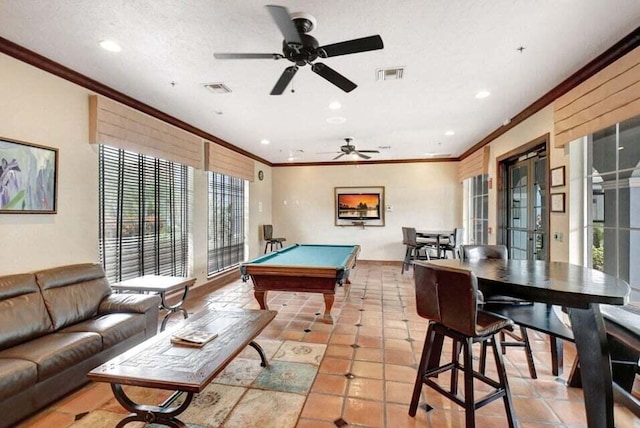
(449, 133)
(110, 46)
(483, 94)
(336, 120)
(335, 105)
(265, 141)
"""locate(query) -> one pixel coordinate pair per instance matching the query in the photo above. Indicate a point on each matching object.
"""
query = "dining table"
(580, 290)
(436, 236)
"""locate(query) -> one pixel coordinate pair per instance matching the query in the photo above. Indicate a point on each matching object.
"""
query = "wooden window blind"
(119, 126)
(477, 163)
(609, 97)
(224, 161)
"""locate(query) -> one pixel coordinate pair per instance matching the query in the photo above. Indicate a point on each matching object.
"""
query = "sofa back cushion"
(23, 315)
(72, 293)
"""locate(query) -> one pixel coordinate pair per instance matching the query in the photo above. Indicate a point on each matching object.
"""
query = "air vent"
(395, 73)
(217, 88)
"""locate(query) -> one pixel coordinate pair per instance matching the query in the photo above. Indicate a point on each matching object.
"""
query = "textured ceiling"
(450, 50)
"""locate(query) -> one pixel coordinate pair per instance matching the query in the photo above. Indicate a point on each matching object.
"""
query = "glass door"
(527, 217)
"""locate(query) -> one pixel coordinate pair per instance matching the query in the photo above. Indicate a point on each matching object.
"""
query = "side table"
(161, 285)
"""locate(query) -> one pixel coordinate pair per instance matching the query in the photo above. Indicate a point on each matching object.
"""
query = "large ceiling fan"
(349, 148)
(302, 49)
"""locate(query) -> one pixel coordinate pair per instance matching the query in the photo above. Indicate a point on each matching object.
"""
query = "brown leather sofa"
(58, 324)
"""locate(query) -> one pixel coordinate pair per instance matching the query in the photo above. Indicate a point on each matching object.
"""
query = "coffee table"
(157, 363)
(162, 285)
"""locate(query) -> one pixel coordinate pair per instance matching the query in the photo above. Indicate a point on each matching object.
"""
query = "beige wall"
(425, 195)
(259, 209)
(41, 108)
(536, 126)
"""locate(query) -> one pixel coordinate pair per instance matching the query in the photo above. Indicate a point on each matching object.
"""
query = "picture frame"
(28, 178)
(359, 206)
(558, 202)
(557, 177)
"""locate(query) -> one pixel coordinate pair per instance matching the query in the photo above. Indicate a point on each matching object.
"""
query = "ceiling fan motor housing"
(304, 54)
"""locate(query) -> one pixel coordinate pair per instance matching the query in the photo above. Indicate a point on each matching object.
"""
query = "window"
(144, 215)
(226, 246)
(612, 180)
(476, 191)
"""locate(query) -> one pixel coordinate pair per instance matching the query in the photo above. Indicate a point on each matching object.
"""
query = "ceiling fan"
(302, 49)
(349, 148)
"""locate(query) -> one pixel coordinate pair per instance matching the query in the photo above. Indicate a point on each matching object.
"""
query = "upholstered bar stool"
(449, 299)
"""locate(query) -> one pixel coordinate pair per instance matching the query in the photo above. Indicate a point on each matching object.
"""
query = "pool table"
(304, 268)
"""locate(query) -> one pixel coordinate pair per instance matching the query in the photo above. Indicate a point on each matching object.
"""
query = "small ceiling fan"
(349, 148)
(302, 49)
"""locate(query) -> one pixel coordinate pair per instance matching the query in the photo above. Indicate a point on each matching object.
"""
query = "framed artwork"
(359, 206)
(28, 178)
(557, 202)
(557, 177)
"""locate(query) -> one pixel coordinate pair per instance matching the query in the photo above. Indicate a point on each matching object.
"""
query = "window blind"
(226, 222)
(144, 215)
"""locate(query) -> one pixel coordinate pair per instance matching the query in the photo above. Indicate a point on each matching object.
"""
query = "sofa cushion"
(23, 315)
(56, 351)
(114, 328)
(72, 293)
(16, 375)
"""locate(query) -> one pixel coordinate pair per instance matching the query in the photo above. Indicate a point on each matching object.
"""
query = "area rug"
(244, 394)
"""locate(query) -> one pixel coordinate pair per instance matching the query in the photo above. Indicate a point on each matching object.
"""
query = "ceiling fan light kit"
(302, 49)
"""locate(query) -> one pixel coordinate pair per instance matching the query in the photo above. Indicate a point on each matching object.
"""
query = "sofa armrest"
(136, 303)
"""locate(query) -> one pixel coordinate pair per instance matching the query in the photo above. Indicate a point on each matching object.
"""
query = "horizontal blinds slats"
(116, 125)
(225, 243)
(144, 215)
(609, 97)
(224, 161)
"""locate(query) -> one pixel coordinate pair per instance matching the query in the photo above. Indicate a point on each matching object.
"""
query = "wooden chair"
(270, 241)
(454, 243)
(413, 248)
(449, 299)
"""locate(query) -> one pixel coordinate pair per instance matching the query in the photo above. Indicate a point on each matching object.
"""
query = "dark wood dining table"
(436, 235)
(580, 290)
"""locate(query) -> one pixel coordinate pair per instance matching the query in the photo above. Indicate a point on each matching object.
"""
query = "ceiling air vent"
(394, 73)
(217, 88)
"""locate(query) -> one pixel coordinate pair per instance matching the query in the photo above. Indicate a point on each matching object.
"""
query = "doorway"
(525, 217)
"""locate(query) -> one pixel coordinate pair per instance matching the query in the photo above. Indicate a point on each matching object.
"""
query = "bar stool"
(270, 241)
(448, 298)
(496, 304)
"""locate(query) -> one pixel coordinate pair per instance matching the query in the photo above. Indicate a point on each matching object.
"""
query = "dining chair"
(454, 243)
(270, 241)
(447, 297)
(413, 248)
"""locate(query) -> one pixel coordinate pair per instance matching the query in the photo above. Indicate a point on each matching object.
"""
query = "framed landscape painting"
(28, 178)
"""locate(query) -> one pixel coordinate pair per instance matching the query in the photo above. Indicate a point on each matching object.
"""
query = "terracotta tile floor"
(366, 375)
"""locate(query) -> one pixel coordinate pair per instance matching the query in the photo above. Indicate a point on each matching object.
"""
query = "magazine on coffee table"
(192, 337)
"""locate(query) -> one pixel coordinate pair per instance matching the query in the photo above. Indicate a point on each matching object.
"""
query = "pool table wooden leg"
(260, 295)
(328, 304)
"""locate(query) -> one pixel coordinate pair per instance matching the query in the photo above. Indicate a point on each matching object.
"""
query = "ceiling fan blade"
(361, 155)
(339, 156)
(284, 80)
(247, 56)
(351, 46)
(369, 151)
(333, 76)
(283, 20)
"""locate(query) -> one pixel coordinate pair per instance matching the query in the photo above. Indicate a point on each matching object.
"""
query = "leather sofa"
(58, 324)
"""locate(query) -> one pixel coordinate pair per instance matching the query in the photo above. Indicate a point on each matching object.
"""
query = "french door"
(526, 233)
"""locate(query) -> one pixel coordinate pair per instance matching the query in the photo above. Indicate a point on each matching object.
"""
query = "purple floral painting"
(27, 178)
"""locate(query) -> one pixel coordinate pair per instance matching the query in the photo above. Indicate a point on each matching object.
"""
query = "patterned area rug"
(278, 392)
